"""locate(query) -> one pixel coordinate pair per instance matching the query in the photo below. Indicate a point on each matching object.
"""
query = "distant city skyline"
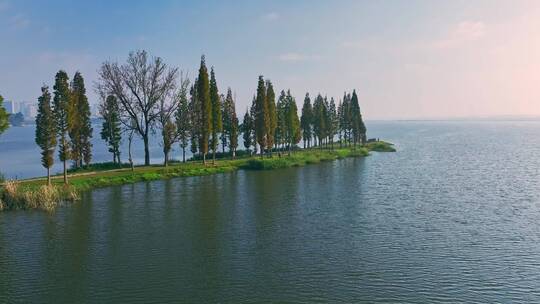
(406, 59)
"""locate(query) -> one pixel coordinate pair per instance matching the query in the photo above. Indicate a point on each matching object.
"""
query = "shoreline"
(33, 193)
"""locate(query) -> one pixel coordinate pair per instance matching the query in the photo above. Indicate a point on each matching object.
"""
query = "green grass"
(33, 194)
(381, 146)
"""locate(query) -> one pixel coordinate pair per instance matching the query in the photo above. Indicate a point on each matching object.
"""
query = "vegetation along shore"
(36, 194)
(145, 96)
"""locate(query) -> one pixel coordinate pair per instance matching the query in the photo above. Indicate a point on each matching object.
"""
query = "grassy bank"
(33, 194)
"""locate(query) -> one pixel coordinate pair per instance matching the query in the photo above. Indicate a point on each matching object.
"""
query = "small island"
(144, 96)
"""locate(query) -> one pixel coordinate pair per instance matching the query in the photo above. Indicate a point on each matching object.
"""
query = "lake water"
(20, 156)
(453, 216)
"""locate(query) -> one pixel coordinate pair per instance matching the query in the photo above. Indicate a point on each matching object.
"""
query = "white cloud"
(296, 57)
(270, 16)
(460, 34)
(19, 21)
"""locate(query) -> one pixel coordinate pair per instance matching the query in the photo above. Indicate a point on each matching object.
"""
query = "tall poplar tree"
(339, 123)
(281, 130)
(80, 125)
(195, 118)
(61, 114)
(306, 121)
(358, 126)
(205, 111)
(253, 114)
(217, 122)
(46, 131)
(333, 120)
(233, 133)
(319, 122)
(272, 115)
(183, 123)
(230, 123)
(293, 123)
(261, 115)
(247, 130)
(4, 116)
(111, 131)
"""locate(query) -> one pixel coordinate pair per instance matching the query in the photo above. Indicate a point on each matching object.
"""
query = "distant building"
(28, 109)
(12, 107)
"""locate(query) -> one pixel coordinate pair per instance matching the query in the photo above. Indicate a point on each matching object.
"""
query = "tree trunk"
(233, 153)
(146, 151)
(214, 157)
(65, 172)
(49, 176)
(129, 152)
(166, 160)
(183, 155)
(204, 158)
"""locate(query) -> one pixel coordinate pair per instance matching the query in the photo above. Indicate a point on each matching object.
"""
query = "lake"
(453, 216)
(20, 156)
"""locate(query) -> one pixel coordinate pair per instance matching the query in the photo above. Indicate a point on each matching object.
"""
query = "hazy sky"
(406, 59)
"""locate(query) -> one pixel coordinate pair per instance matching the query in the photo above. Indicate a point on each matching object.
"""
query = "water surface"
(454, 216)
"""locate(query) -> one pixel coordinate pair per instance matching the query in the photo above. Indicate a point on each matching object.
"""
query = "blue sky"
(407, 59)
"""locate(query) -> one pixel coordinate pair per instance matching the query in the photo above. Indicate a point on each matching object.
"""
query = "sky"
(406, 59)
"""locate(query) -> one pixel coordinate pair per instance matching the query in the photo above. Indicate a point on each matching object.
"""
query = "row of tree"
(144, 96)
(64, 122)
(322, 121)
(269, 125)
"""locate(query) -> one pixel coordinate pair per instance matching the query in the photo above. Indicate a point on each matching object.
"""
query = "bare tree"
(168, 106)
(139, 85)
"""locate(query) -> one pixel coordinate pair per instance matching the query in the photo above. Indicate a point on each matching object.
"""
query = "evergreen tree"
(262, 120)
(230, 123)
(194, 110)
(339, 123)
(272, 115)
(247, 130)
(217, 122)
(306, 121)
(253, 114)
(111, 131)
(327, 121)
(46, 131)
(233, 135)
(358, 127)
(225, 122)
(333, 121)
(319, 122)
(61, 113)
(4, 121)
(183, 122)
(79, 123)
(281, 130)
(293, 123)
(345, 119)
(205, 111)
